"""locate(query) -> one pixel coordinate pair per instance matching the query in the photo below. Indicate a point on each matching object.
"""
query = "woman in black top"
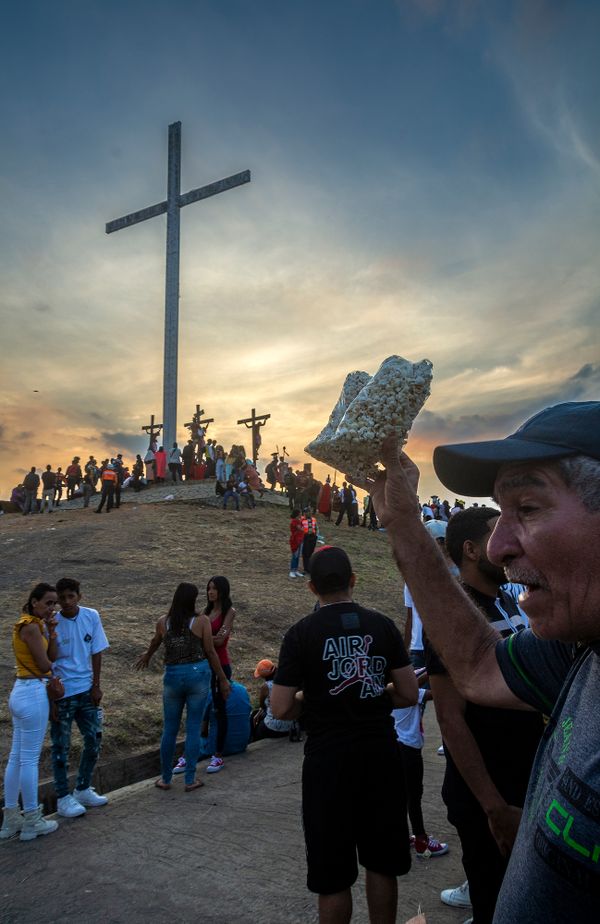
(189, 649)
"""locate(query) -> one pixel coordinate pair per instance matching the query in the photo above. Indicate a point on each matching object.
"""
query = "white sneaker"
(468, 921)
(89, 797)
(441, 751)
(179, 766)
(216, 764)
(458, 898)
(293, 574)
(299, 573)
(69, 807)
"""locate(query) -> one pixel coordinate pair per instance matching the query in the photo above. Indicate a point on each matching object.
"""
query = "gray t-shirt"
(554, 869)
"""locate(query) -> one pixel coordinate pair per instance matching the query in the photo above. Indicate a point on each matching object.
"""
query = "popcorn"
(369, 410)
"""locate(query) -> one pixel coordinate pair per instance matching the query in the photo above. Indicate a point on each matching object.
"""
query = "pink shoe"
(216, 764)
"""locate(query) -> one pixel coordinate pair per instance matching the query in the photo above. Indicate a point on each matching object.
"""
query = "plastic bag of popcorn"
(385, 404)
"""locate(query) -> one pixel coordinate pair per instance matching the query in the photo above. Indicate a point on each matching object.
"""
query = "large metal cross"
(173, 203)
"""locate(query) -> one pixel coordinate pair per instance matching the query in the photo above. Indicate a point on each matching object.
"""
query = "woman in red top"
(221, 613)
(324, 499)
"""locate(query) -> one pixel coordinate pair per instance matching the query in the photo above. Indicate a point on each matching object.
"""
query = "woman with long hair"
(34, 647)
(220, 612)
(189, 649)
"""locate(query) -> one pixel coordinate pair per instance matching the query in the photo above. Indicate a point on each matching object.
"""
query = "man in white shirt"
(81, 641)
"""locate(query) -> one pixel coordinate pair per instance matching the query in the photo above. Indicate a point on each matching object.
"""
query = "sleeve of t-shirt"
(535, 670)
(398, 655)
(290, 669)
(99, 639)
(433, 662)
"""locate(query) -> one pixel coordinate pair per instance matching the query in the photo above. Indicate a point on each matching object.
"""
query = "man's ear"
(352, 580)
(471, 550)
(313, 589)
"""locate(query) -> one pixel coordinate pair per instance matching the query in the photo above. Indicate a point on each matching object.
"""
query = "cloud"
(24, 435)
(127, 441)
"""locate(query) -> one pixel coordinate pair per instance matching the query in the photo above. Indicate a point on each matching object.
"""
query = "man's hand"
(504, 824)
(394, 492)
(96, 694)
(142, 662)
(224, 688)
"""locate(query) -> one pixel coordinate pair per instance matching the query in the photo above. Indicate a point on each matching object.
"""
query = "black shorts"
(353, 802)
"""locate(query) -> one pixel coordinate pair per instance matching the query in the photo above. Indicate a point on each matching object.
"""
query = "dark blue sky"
(425, 182)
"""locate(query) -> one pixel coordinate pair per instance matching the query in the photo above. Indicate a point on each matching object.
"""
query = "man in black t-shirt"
(489, 752)
(346, 667)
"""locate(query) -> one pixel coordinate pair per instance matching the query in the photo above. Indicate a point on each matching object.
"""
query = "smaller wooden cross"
(153, 431)
(254, 423)
(198, 420)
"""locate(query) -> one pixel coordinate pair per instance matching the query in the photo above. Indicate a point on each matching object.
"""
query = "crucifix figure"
(173, 203)
(254, 423)
(197, 423)
(153, 430)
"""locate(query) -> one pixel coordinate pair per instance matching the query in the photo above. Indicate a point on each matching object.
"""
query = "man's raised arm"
(458, 631)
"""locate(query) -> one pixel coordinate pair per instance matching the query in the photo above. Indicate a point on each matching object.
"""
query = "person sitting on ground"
(246, 493)
(34, 648)
(231, 491)
(265, 725)
(189, 650)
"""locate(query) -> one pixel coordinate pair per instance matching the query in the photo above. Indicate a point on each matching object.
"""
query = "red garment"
(215, 625)
(198, 471)
(325, 500)
(161, 463)
(296, 534)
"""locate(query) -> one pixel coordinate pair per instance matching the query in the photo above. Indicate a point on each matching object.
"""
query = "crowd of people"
(502, 635)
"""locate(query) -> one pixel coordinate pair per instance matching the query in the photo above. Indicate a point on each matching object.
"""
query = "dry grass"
(129, 566)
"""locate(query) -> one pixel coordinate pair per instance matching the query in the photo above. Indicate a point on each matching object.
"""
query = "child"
(265, 726)
(409, 732)
(80, 642)
(296, 539)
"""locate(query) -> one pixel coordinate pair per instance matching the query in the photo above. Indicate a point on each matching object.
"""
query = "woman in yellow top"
(34, 646)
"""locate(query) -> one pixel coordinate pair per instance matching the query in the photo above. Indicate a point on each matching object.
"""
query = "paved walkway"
(230, 853)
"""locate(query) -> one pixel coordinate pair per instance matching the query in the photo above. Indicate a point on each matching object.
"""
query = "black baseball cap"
(330, 569)
(568, 429)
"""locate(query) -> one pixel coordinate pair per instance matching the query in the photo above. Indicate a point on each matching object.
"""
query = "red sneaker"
(426, 847)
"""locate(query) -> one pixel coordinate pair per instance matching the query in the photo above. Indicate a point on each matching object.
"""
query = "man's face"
(546, 539)
(69, 602)
(484, 565)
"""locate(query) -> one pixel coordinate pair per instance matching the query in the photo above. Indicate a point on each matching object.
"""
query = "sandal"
(160, 784)
(195, 785)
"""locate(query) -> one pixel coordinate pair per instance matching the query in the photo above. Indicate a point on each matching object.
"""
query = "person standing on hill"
(48, 486)
(296, 539)
(310, 531)
(34, 647)
(109, 481)
(80, 642)
(347, 667)
(74, 477)
(221, 614)
(175, 463)
(31, 483)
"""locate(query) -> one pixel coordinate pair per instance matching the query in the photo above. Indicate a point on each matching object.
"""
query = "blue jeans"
(295, 560)
(81, 708)
(235, 496)
(183, 685)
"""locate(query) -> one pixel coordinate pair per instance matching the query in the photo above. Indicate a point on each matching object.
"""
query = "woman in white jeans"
(34, 646)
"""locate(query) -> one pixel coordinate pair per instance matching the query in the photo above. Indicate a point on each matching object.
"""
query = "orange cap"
(264, 668)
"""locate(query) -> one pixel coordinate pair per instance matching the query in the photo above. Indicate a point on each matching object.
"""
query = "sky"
(425, 182)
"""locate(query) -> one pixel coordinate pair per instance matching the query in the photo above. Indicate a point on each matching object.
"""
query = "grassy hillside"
(129, 565)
